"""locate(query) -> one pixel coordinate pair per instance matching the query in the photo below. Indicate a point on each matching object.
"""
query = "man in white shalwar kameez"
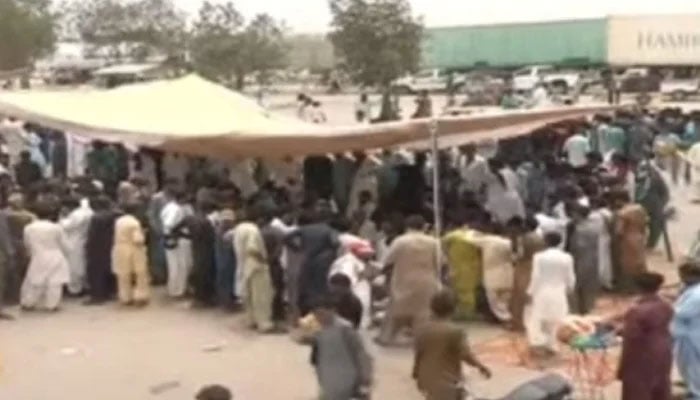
(353, 264)
(48, 267)
(603, 218)
(75, 228)
(178, 250)
(553, 279)
(365, 181)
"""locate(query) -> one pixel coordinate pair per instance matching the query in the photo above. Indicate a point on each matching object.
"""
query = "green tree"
(217, 40)
(266, 47)
(224, 48)
(27, 32)
(377, 41)
(137, 29)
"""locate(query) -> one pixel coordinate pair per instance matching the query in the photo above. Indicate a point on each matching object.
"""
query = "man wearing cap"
(353, 264)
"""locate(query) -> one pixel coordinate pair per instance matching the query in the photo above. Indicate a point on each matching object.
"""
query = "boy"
(440, 349)
(343, 365)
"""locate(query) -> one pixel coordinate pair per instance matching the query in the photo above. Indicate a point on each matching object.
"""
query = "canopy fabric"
(193, 116)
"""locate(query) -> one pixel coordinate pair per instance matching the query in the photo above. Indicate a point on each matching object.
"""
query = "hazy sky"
(313, 16)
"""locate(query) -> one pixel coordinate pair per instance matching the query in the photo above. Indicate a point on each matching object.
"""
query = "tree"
(217, 40)
(377, 41)
(265, 46)
(27, 32)
(224, 48)
(138, 29)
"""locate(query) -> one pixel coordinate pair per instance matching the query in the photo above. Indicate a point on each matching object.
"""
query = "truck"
(433, 80)
(525, 79)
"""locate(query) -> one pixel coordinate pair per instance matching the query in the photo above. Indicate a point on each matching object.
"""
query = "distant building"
(653, 40)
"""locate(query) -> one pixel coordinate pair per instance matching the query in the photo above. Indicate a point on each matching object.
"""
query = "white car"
(527, 78)
(433, 80)
(680, 89)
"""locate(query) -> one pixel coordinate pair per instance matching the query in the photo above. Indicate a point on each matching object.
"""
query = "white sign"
(654, 40)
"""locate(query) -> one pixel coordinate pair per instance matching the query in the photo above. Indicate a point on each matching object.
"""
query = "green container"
(575, 43)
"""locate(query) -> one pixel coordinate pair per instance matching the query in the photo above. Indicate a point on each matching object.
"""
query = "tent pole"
(437, 225)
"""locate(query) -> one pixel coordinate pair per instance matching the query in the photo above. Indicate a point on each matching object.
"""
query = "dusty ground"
(106, 353)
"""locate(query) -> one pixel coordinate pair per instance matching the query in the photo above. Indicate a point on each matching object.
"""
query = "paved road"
(106, 353)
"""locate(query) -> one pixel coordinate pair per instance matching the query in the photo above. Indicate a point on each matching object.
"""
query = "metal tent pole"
(437, 225)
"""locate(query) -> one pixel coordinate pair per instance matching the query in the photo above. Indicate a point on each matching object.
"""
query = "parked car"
(525, 79)
(680, 89)
(432, 80)
(483, 90)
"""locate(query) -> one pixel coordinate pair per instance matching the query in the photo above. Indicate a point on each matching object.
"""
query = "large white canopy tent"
(193, 116)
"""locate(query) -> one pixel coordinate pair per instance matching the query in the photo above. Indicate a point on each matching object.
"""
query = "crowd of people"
(536, 228)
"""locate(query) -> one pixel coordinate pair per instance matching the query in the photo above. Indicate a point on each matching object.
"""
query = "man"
(273, 237)
(255, 287)
(527, 243)
(502, 202)
(75, 227)
(129, 261)
(98, 251)
(316, 114)
(576, 148)
(203, 238)
(225, 257)
(424, 106)
(132, 191)
(354, 265)
(692, 158)
(18, 217)
(156, 240)
(103, 166)
(653, 194)
(7, 260)
(318, 243)
(347, 305)
(553, 279)
(496, 261)
(474, 170)
(540, 96)
(178, 246)
(464, 260)
(685, 327)
(48, 267)
(27, 172)
(647, 346)
(602, 217)
(415, 278)
(613, 139)
(363, 109)
(439, 351)
(629, 240)
(343, 365)
(583, 246)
